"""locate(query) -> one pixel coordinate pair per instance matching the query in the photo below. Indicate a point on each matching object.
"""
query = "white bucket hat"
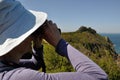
(16, 24)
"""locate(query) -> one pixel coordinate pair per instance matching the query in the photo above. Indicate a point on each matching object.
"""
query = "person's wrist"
(61, 48)
(56, 43)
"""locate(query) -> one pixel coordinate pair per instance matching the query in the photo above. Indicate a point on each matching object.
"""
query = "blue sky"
(101, 15)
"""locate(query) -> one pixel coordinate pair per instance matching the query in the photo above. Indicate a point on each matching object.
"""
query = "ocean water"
(115, 38)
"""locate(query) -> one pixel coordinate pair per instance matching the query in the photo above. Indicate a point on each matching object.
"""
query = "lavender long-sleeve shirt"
(85, 68)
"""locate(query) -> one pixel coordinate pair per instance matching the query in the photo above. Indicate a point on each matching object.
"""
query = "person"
(22, 31)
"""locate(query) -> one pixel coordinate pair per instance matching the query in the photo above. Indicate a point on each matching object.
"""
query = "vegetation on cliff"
(99, 48)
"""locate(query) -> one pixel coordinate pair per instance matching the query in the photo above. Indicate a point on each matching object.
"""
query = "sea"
(115, 38)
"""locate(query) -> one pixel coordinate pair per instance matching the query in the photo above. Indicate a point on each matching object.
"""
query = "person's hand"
(51, 33)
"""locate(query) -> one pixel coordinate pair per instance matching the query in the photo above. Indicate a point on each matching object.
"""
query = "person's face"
(21, 49)
(25, 46)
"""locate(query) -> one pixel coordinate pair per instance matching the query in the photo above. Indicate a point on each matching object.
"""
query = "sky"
(69, 15)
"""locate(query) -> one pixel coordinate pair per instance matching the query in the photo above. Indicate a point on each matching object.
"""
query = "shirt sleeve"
(85, 68)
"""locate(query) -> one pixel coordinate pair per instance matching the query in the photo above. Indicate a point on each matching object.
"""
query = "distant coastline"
(115, 38)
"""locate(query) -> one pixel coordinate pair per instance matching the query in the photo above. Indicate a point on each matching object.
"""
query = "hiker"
(22, 31)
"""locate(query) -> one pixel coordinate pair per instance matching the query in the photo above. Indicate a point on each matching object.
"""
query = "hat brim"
(20, 30)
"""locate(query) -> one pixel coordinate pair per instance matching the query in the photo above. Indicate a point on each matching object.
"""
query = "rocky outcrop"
(91, 42)
(99, 48)
(83, 29)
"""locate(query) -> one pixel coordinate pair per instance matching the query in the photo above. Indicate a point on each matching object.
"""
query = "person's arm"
(85, 68)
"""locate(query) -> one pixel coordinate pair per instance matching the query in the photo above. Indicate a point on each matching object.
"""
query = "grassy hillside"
(95, 46)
